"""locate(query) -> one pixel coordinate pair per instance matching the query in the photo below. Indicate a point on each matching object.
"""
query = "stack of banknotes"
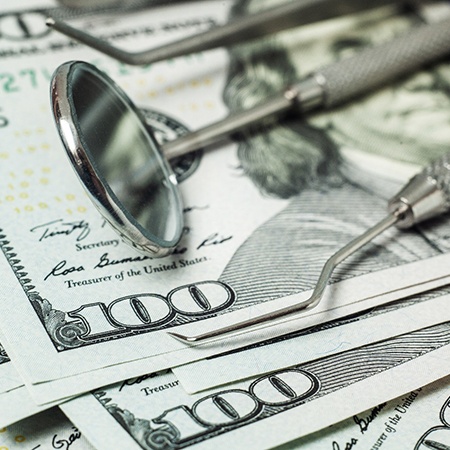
(86, 361)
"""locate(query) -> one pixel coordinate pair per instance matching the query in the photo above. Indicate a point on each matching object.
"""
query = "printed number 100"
(147, 311)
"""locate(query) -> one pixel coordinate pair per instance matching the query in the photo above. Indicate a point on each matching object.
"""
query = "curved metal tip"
(183, 338)
(50, 22)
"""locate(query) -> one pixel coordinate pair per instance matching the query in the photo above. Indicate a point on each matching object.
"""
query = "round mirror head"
(117, 158)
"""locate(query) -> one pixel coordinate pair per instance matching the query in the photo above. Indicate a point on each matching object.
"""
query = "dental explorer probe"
(284, 16)
(425, 196)
(333, 85)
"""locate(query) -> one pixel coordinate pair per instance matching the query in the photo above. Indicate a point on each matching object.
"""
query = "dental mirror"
(117, 158)
(120, 163)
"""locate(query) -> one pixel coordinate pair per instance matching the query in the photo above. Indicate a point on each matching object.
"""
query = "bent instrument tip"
(50, 22)
(272, 316)
(183, 338)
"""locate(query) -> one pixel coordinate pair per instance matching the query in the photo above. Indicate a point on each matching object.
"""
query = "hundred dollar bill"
(322, 340)
(15, 401)
(269, 410)
(8, 379)
(17, 404)
(97, 312)
(418, 420)
(45, 431)
(250, 362)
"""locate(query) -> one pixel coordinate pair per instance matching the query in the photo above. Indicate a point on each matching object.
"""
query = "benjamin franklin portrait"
(328, 164)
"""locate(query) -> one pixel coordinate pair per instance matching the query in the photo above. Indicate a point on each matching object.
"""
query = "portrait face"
(409, 120)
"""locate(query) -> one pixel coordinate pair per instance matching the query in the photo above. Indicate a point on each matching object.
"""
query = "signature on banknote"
(60, 227)
(64, 444)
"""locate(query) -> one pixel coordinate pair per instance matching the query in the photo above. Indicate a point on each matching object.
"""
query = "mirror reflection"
(125, 155)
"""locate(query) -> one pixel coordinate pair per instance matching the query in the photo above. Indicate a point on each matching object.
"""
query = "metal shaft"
(334, 84)
(281, 17)
(210, 134)
(317, 294)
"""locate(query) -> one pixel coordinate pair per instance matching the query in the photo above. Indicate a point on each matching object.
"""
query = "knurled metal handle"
(375, 66)
(439, 172)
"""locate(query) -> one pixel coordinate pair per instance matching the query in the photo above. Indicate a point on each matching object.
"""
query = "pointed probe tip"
(182, 337)
(50, 21)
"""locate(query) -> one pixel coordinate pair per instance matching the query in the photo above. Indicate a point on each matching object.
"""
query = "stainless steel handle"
(426, 195)
(376, 66)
